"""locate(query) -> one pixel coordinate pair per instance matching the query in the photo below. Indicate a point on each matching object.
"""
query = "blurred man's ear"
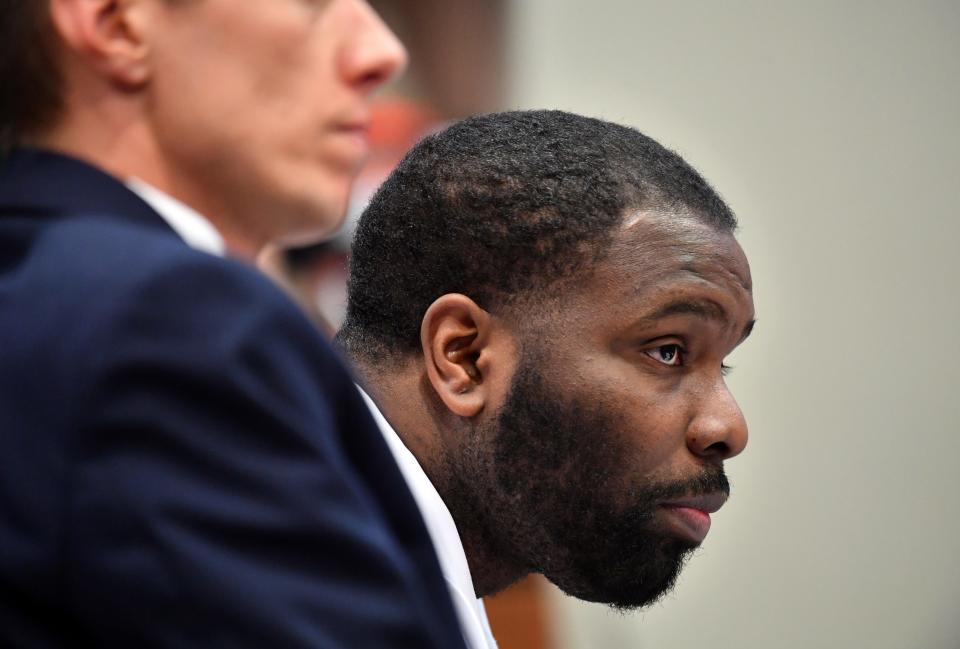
(468, 359)
(107, 36)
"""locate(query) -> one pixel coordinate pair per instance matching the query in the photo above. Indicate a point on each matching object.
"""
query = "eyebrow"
(707, 309)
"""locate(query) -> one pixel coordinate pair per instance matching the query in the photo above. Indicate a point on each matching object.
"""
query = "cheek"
(650, 417)
(644, 415)
(268, 78)
(294, 69)
(652, 441)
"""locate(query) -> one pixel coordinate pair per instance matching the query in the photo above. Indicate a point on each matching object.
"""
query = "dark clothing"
(183, 461)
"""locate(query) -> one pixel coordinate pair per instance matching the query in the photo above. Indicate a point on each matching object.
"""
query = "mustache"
(709, 480)
(627, 523)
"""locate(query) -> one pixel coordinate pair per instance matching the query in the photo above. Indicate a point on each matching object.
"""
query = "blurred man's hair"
(31, 81)
(31, 87)
(504, 208)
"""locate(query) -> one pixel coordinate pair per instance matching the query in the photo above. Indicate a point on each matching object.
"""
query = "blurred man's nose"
(719, 430)
(374, 54)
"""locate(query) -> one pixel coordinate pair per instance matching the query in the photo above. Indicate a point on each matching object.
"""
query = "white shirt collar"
(443, 533)
(192, 227)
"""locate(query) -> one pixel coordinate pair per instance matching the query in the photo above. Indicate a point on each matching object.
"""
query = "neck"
(406, 399)
(125, 147)
(399, 394)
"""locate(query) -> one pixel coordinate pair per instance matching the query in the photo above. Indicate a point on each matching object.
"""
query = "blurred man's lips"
(356, 127)
(690, 516)
(357, 132)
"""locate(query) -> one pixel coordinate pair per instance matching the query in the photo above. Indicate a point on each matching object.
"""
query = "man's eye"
(667, 354)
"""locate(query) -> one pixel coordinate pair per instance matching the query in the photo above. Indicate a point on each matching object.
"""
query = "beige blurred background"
(833, 130)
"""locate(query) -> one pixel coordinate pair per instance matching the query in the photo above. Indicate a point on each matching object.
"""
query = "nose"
(719, 430)
(373, 55)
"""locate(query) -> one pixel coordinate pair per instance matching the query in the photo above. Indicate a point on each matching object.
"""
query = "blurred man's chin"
(310, 219)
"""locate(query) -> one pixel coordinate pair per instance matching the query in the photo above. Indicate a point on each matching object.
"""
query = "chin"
(627, 581)
(310, 218)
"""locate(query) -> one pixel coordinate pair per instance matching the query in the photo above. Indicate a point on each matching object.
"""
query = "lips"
(707, 503)
(355, 122)
(353, 140)
(689, 517)
(361, 128)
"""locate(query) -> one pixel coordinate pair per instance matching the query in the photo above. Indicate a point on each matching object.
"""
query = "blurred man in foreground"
(545, 353)
(184, 461)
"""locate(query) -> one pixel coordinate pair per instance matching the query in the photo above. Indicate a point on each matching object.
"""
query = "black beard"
(545, 485)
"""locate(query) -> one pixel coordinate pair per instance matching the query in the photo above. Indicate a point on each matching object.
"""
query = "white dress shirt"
(192, 227)
(443, 533)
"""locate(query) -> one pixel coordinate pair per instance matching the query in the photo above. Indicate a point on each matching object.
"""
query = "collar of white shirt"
(443, 533)
(192, 227)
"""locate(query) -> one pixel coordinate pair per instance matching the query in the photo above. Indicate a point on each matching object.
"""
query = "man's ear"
(460, 353)
(107, 35)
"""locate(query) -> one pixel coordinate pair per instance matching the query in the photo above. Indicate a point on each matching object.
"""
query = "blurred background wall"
(833, 130)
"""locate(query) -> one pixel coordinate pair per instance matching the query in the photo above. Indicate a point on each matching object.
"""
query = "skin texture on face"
(260, 108)
(614, 430)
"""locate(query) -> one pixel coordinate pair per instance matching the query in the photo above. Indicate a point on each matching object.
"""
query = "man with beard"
(539, 306)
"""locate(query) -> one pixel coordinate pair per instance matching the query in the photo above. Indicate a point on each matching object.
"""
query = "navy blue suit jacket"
(183, 461)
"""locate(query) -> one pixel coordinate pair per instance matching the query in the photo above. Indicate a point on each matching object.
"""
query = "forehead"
(656, 258)
(660, 246)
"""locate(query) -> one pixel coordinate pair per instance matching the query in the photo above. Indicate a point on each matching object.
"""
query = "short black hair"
(502, 208)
